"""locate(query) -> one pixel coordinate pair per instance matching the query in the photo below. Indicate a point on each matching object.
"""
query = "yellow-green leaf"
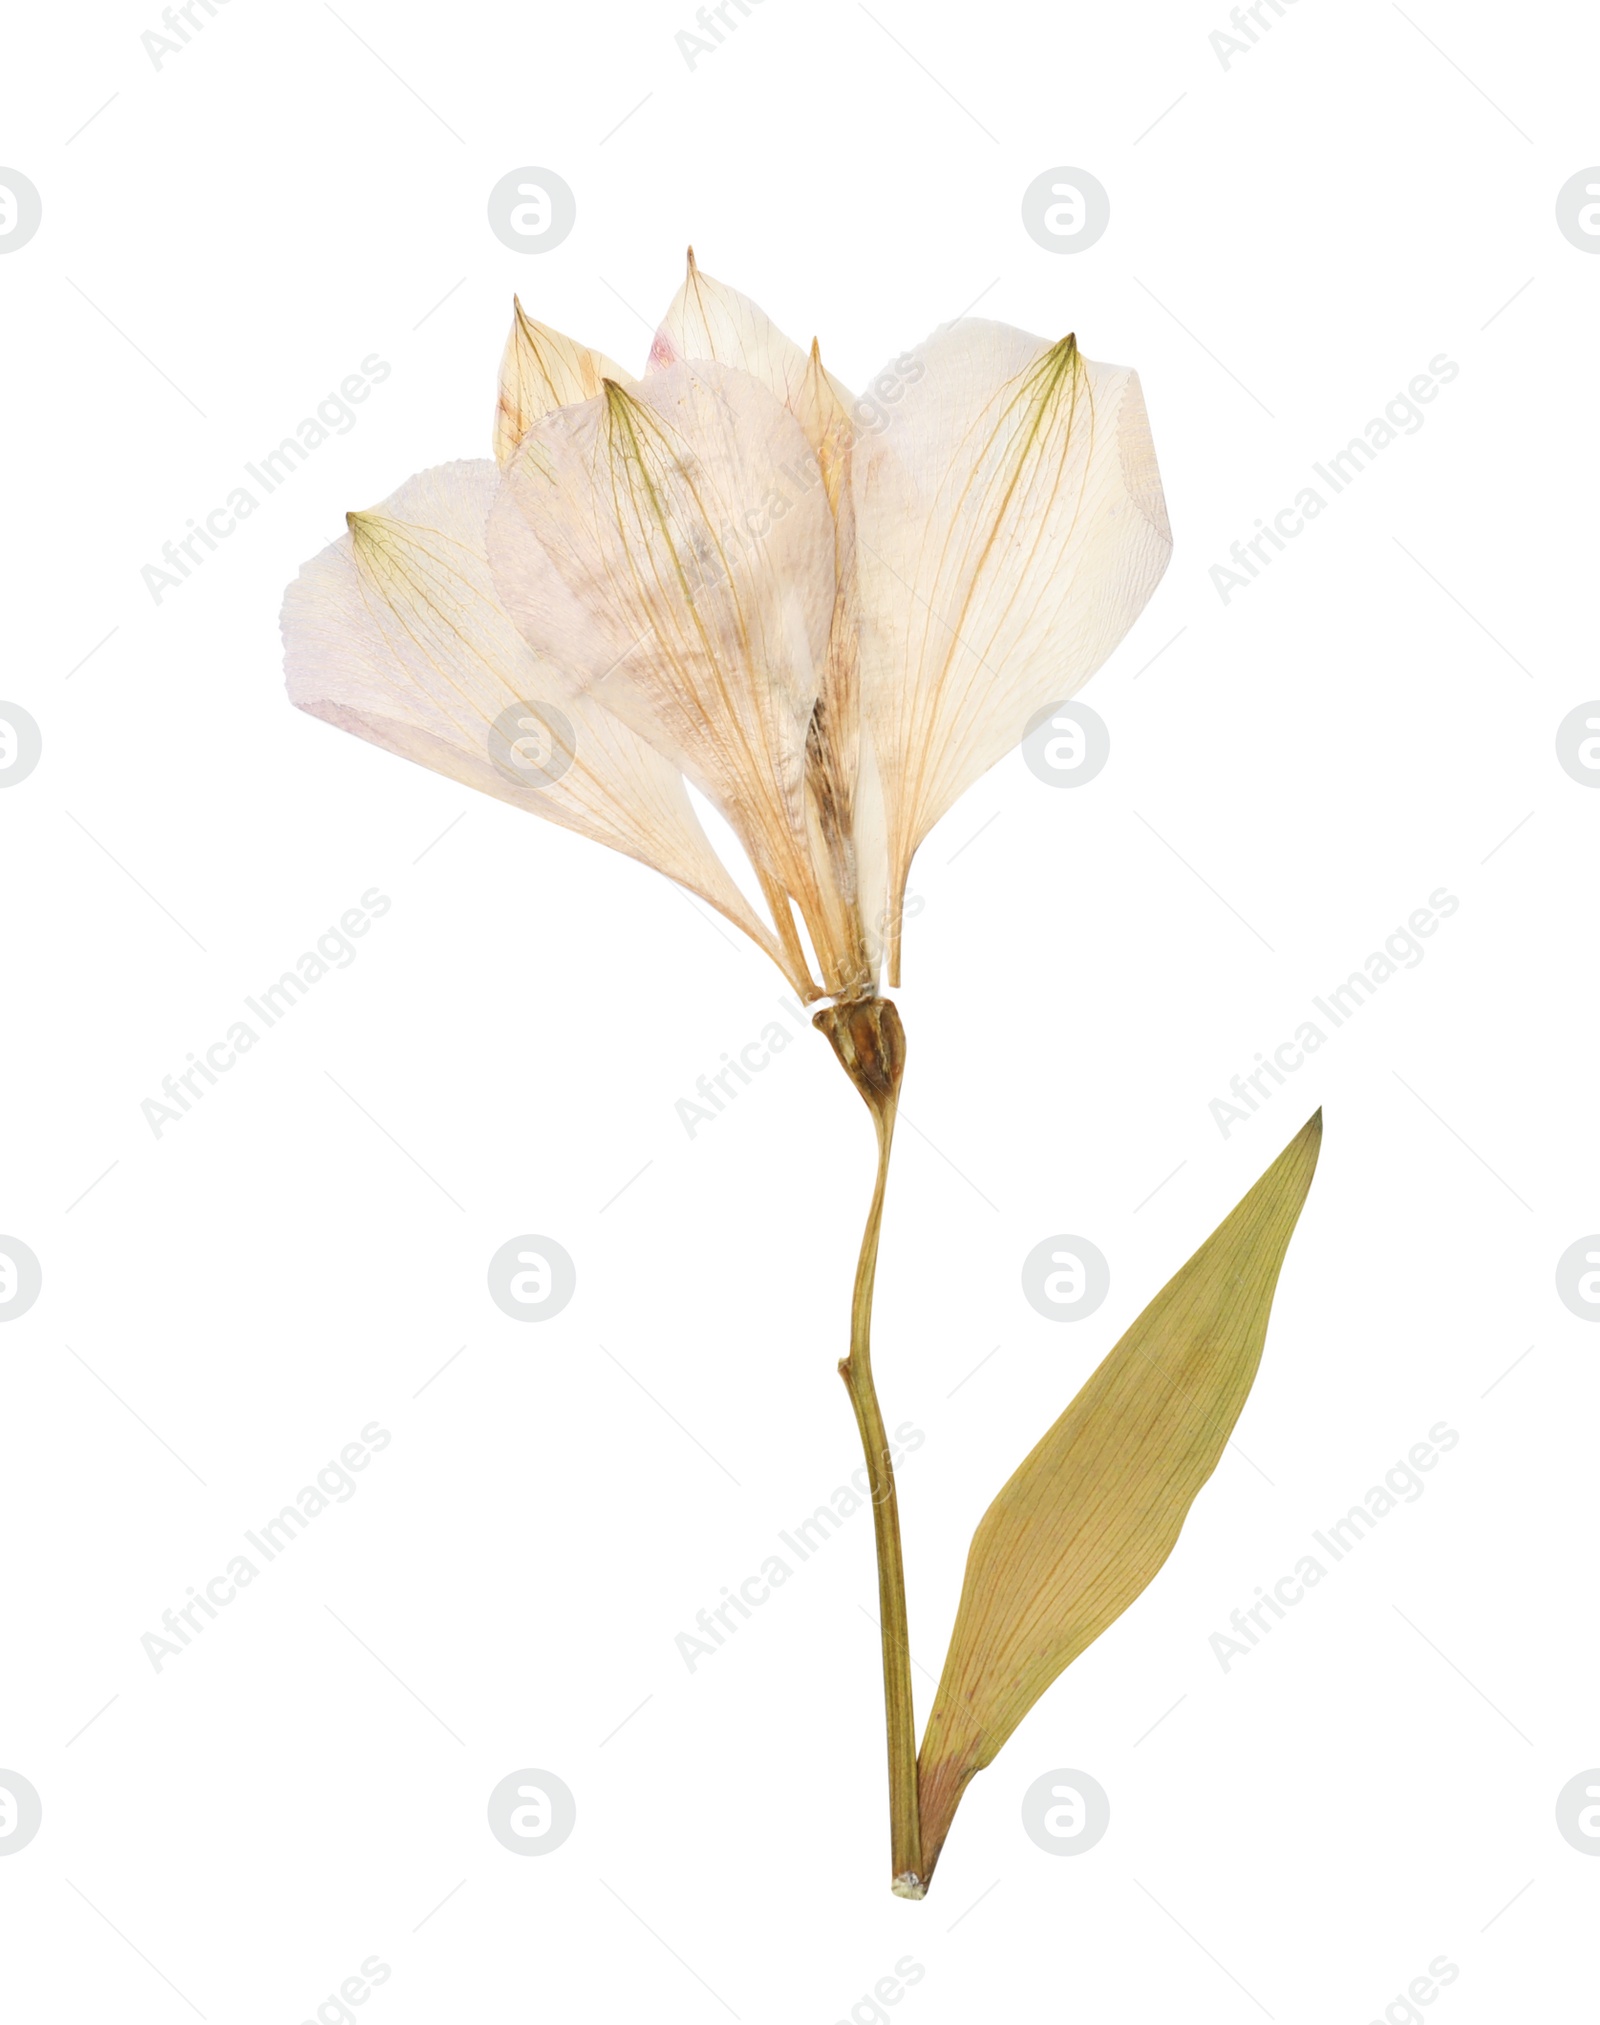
(1089, 1517)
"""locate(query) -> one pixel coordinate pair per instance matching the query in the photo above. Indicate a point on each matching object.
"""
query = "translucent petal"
(395, 633)
(670, 549)
(540, 371)
(842, 847)
(708, 320)
(1009, 530)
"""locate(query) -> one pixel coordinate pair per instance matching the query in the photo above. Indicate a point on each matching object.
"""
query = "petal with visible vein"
(541, 371)
(670, 547)
(1009, 530)
(395, 633)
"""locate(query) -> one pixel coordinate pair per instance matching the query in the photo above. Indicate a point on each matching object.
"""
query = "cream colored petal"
(708, 320)
(871, 841)
(1009, 530)
(833, 754)
(823, 408)
(541, 371)
(670, 548)
(395, 633)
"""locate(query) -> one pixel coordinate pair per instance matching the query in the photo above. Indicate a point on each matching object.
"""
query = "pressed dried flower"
(829, 616)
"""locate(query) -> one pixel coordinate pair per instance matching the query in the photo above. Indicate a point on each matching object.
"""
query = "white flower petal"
(707, 319)
(871, 855)
(395, 633)
(670, 548)
(1009, 530)
(541, 371)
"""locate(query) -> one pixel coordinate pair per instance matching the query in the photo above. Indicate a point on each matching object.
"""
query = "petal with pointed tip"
(707, 319)
(394, 632)
(541, 371)
(1009, 530)
(662, 547)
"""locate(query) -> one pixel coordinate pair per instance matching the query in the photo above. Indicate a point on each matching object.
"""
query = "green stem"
(871, 1045)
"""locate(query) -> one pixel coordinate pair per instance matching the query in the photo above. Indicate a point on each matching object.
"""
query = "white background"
(1374, 1786)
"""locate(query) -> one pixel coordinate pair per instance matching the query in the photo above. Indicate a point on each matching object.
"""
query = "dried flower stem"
(870, 1042)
